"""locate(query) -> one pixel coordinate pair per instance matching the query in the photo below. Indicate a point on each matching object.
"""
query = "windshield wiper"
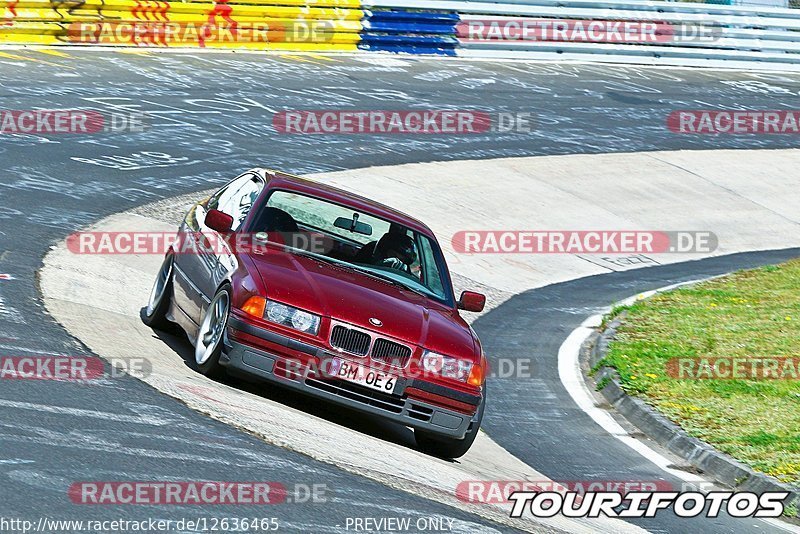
(312, 255)
(330, 261)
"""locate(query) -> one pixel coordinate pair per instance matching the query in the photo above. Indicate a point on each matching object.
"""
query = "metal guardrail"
(682, 33)
(632, 5)
(403, 31)
(673, 33)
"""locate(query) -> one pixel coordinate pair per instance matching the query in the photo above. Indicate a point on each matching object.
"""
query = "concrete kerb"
(702, 456)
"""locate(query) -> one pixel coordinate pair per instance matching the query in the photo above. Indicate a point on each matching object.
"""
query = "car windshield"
(357, 240)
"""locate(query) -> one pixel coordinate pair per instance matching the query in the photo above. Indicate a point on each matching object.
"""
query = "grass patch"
(748, 314)
(613, 314)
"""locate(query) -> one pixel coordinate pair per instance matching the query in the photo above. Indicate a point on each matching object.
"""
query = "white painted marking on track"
(18, 348)
(382, 61)
(10, 313)
(569, 371)
(571, 377)
(80, 412)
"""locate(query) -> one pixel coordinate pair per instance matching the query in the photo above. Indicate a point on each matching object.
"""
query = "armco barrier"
(632, 31)
(629, 31)
(415, 32)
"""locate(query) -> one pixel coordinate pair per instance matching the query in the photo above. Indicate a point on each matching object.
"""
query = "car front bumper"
(270, 365)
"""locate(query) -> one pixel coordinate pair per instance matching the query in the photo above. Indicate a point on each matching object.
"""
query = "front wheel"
(154, 314)
(208, 346)
(444, 447)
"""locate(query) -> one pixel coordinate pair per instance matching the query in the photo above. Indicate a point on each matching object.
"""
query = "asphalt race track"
(211, 118)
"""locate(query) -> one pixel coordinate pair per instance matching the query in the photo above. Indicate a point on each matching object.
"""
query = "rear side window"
(430, 274)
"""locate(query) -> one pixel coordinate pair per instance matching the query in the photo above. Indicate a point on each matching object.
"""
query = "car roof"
(290, 182)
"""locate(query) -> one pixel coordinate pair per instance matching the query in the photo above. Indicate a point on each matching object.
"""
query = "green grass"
(747, 314)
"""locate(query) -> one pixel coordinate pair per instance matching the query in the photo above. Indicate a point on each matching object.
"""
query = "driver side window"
(428, 267)
(237, 198)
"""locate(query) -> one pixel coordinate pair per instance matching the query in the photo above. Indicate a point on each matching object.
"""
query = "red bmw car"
(320, 290)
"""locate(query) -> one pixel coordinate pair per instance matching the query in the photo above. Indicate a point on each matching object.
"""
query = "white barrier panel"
(674, 33)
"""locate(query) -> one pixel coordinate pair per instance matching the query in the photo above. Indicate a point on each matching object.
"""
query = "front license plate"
(359, 374)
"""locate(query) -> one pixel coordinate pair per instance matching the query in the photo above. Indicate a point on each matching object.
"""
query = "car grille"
(361, 343)
(349, 340)
(391, 352)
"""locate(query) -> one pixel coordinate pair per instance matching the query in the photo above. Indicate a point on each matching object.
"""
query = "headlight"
(292, 317)
(278, 313)
(305, 321)
(446, 366)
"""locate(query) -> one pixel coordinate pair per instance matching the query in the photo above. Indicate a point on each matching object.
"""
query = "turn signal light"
(255, 306)
(475, 376)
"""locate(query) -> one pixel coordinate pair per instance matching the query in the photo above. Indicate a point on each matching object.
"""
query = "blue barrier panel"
(410, 44)
(407, 49)
(406, 28)
(419, 40)
(413, 16)
(411, 32)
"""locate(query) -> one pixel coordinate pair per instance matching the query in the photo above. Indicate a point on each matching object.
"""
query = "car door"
(210, 258)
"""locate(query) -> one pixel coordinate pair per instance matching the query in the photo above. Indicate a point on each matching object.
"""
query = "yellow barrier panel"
(85, 15)
(294, 32)
(22, 38)
(157, 8)
(41, 28)
(52, 40)
(340, 4)
(67, 4)
(285, 25)
(161, 34)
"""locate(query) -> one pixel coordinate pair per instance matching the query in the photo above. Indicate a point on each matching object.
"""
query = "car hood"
(355, 298)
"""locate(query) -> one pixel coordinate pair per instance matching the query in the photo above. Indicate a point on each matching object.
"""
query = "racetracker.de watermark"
(734, 122)
(198, 493)
(66, 121)
(583, 242)
(165, 33)
(159, 243)
(734, 368)
(71, 368)
(330, 368)
(57, 368)
(401, 122)
(143, 525)
(583, 31)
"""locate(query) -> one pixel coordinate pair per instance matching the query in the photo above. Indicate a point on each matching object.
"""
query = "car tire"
(210, 335)
(154, 314)
(443, 447)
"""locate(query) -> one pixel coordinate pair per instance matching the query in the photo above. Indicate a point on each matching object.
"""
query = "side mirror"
(219, 221)
(471, 301)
